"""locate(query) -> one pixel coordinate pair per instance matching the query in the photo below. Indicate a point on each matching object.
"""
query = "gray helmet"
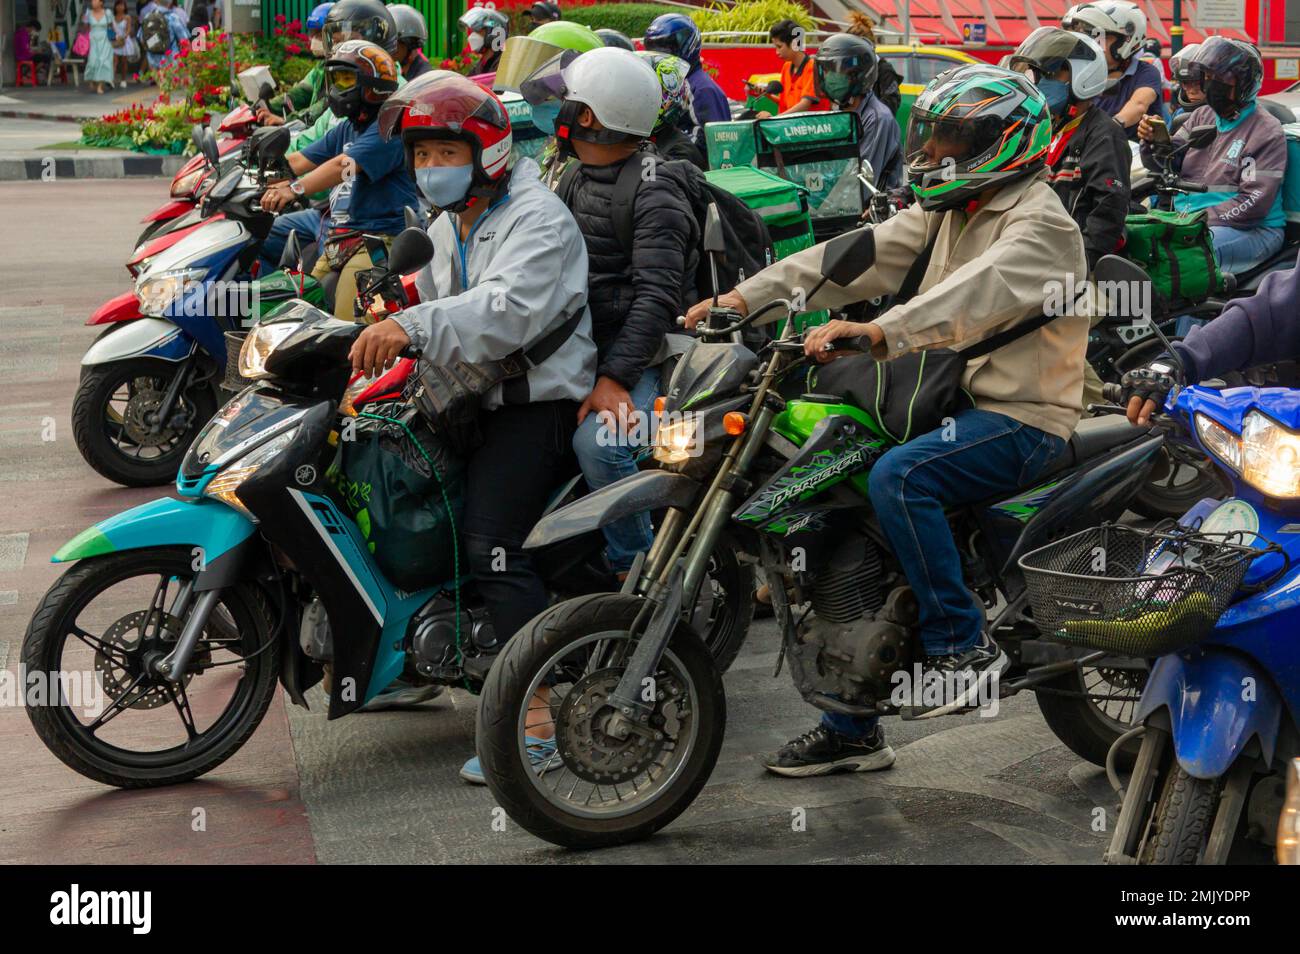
(410, 24)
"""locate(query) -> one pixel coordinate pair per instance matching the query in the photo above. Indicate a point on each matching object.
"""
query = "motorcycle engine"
(850, 647)
(433, 637)
(314, 632)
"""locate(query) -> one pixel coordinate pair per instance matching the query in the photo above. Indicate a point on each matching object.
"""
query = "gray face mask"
(445, 186)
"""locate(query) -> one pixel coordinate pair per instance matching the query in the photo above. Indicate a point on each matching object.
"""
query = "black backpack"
(748, 242)
(156, 31)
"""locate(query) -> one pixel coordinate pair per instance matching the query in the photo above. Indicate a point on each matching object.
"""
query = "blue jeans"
(1239, 250)
(606, 456)
(305, 222)
(980, 454)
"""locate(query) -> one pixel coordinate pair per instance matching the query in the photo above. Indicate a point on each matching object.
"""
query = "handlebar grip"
(411, 352)
(1113, 393)
(1185, 186)
(851, 345)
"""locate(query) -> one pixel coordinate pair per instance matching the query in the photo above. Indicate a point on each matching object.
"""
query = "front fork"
(674, 571)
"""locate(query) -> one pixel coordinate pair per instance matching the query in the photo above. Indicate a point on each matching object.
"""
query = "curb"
(48, 117)
(89, 167)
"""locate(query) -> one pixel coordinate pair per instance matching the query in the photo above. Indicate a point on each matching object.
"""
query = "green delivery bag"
(405, 490)
(1175, 248)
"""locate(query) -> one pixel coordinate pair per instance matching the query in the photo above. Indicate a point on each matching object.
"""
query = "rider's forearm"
(322, 177)
(1133, 111)
(300, 164)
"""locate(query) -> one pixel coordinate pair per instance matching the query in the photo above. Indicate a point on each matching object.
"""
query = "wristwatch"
(296, 187)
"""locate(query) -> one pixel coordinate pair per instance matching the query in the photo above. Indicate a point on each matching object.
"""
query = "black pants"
(526, 454)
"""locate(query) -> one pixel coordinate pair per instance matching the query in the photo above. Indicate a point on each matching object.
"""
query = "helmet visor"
(1047, 51)
(545, 90)
(340, 31)
(522, 57)
(341, 78)
(934, 142)
(439, 101)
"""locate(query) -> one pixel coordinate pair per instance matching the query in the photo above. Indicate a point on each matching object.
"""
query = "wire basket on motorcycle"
(1137, 592)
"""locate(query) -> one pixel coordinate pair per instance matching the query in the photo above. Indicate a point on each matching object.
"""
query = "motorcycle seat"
(1093, 437)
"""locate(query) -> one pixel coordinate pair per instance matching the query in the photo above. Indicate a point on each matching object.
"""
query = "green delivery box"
(527, 139)
(730, 144)
(783, 206)
(818, 151)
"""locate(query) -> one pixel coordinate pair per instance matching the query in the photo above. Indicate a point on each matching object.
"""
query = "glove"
(1152, 384)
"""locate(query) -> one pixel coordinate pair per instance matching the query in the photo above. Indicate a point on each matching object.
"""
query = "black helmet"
(1229, 72)
(359, 77)
(615, 38)
(411, 27)
(845, 66)
(359, 20)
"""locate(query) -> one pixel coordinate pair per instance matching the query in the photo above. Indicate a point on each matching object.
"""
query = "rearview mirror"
(292, 253)
(1123, 288)
(1198, 137)
(775, 88)
(266, 92)
(847, 256)
(714, 240)
(868, 172)
(412, 249)
(412, 218)
(209, 148)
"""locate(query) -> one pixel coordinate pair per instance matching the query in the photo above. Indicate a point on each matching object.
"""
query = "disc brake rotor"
(596, 756)
(124, 636)
(141, 409)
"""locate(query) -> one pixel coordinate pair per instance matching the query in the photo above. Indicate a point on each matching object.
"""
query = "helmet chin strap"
(567, 129)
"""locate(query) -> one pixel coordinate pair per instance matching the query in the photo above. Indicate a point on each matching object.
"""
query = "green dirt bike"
(636, 704)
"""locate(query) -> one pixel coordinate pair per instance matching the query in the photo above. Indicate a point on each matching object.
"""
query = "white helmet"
(1181, 60)
(1109, 16)
(618, 86)
(1048, 48)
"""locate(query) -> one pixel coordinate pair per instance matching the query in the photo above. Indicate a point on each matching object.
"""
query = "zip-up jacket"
(519, 275)
(1241, 169)
(1088, 168)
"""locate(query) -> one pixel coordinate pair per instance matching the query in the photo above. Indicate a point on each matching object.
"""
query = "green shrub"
(628, 18)
(752, 16)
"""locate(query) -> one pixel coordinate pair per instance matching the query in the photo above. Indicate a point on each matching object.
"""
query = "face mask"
(1057, 94)
(836, 86)
(545, 114)
(476, 41)
(1220, 96)
(445, 186)
(318, 48)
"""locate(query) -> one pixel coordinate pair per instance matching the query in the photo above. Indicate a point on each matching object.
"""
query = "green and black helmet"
(972, 128)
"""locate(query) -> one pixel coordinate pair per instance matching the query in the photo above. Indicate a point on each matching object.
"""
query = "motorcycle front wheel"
(103, 710)
(597, 789)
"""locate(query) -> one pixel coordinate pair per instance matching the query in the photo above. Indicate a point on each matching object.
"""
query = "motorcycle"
(149, 381)
(1211, 601)
(256, 573)
(638, 707)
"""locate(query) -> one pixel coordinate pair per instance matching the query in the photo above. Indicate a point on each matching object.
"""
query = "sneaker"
(824, 751)
(401, 695)
(966, 676)
(541, 752)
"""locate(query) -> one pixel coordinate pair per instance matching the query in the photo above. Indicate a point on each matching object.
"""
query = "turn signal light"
(1288, 825)
(659, 405)
(734, 423)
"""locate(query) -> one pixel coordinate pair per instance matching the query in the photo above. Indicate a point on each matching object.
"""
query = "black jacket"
(635, 300)
(1090, 174)
(673, 143)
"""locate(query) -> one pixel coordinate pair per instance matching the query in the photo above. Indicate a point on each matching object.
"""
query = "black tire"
(1081, 725)
(1158, 501)
(729, 623)
(91, 431)
(512, 675)
(1183, 816)
(56, 725)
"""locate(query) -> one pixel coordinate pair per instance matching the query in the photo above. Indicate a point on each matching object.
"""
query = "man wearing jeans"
(976, 143)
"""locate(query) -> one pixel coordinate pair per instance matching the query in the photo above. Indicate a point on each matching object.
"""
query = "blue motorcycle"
(1215, 600)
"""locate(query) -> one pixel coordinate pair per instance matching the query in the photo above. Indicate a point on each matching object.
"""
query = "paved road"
(383, 787)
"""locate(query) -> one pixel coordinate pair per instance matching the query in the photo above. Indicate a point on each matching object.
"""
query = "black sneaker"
(958, 681)
(824, 751)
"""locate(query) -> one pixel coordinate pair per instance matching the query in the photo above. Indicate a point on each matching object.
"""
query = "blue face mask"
(545, 114)
(1057, 94)
(444, 186)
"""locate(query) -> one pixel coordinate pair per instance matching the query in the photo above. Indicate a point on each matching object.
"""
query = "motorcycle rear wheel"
(108, 756)
(1087, 726)
(584, 643)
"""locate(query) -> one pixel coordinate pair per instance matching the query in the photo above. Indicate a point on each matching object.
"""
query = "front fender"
(169, 210)
(212, 529)
(124, 307)
(647, 490)
(1217, 702)
(144, 337)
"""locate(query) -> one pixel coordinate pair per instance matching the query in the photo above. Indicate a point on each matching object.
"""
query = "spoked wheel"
(725, 606)
(115, 420)
(604, 783)
(1090, 708)
(106, 712)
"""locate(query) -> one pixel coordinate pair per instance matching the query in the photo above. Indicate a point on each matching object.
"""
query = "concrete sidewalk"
(32, 120)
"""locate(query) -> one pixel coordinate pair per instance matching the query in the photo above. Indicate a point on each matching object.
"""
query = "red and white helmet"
(445, 105)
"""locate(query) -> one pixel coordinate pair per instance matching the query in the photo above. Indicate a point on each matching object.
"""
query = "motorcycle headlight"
(259, 344)
(678, 441)
(1270, 456)
(223, 486)
(184, 186)
(1288, 823)
(157, 293)
(1219, 441)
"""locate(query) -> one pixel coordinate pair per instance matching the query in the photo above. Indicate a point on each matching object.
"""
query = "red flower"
(293, 49)
(279, 18)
